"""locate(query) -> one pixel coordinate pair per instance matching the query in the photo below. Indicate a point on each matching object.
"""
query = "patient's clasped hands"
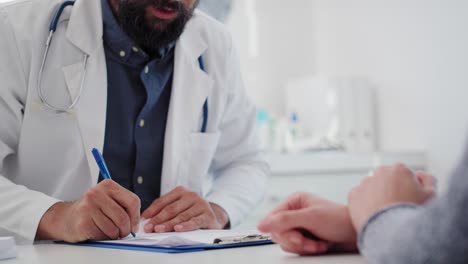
(336, 226)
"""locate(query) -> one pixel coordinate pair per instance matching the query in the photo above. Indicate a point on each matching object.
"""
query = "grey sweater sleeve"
(434, 233)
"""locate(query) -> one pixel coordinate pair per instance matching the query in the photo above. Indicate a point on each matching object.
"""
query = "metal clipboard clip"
(241, 239)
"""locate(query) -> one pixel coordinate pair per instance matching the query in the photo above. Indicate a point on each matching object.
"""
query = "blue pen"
(103, 168)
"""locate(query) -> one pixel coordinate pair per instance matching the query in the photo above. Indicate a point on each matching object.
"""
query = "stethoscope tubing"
(52, 28)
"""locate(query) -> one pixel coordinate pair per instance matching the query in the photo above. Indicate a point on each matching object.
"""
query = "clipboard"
(218, 243)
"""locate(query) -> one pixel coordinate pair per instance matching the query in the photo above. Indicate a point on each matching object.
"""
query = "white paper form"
(173, 239)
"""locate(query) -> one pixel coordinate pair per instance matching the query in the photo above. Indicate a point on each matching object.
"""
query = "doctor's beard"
(150, 32)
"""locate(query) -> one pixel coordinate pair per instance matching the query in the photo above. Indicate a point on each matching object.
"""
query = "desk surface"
(61, 254)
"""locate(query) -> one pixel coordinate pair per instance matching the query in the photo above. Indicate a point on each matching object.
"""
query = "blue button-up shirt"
(139, 90)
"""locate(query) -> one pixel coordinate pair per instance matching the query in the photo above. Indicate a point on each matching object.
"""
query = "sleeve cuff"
(223, 201)
(381, 221)
(38, 206)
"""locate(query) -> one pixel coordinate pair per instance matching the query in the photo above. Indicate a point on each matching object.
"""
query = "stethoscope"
(52, 28)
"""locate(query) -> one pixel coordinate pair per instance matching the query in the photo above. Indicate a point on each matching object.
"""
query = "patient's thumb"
(428, 181)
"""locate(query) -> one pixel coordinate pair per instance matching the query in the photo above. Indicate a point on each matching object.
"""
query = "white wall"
(416, 53)
(275, 45)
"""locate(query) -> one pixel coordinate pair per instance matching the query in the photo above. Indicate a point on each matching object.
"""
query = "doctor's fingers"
(169, 212)
(95, 234)
(164, 201)
(126, 200)
(117, 215)
(194, 211)
(294, 242)
(86, 228)
(106, 228)
(202, 221)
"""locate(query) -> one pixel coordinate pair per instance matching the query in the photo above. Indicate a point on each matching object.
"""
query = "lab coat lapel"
(85, 32)
(191, 87)
(85, 25)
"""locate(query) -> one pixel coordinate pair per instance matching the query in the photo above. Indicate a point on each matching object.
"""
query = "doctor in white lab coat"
(45, 156)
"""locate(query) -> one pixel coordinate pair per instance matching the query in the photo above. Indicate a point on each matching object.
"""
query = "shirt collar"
(121, 44)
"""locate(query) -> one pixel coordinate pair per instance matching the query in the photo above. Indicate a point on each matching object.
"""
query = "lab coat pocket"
(201, 150)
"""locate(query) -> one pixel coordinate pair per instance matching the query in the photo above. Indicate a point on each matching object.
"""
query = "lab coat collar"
(85, 25)
(191, 41)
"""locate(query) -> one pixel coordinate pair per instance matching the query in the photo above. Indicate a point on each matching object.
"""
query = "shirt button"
(140, 180)
(142, 123)
(146, 69)
(122, 53)
(135, 49)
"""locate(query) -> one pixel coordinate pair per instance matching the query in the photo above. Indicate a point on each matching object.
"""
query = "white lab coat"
(46, 157)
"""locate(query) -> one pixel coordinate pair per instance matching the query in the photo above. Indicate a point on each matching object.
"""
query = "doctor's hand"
(388, 186)
(107, 211)
(181, 210)
(306, 224)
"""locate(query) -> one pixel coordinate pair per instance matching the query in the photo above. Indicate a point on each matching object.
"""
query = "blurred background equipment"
(331, 113)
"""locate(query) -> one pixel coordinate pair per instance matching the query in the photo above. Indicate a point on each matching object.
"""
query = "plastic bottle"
(264, 129)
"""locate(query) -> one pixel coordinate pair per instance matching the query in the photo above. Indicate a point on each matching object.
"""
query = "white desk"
(63, 254)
